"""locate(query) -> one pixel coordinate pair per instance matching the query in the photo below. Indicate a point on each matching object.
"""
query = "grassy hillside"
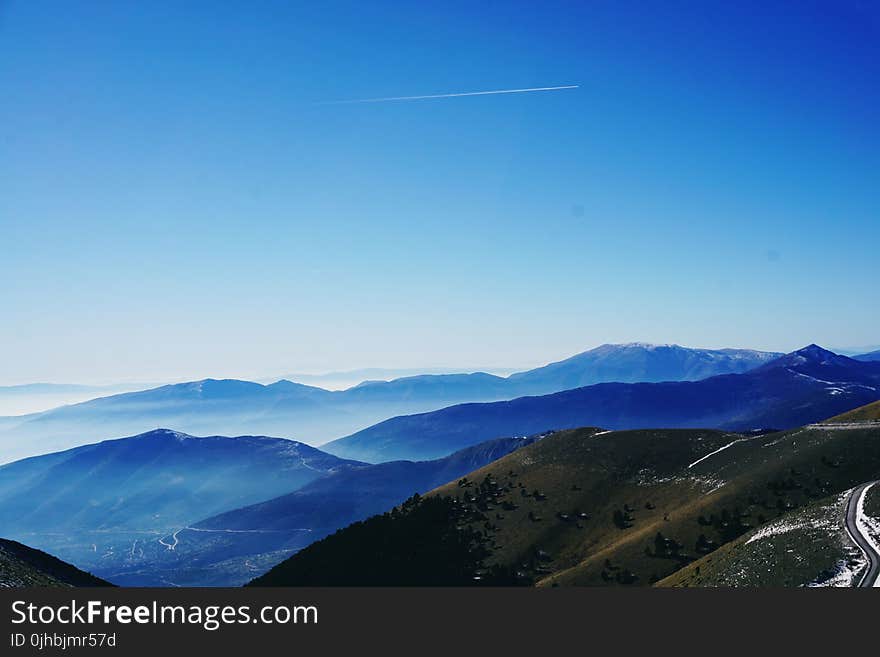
(755, 481)
(21, 566)
(586, 507)
(868, 413)
(808, 547)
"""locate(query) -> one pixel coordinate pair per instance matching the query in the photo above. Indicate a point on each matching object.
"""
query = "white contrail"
(455, 95)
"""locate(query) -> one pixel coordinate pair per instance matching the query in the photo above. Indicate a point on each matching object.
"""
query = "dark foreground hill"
(585, 507)
(418, 544)
(22, 566)
(232, 547)
(802, 387)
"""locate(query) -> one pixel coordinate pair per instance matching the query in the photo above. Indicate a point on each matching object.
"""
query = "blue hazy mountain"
(232, 407)
(316, 415)
(430, 387)
(150, 536)
(48, 389)
(37, 397)
(348, 378)
(102, 498)
(871, 356)
(802, 387)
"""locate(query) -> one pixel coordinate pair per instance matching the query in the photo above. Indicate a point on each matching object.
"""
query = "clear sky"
(179, 199)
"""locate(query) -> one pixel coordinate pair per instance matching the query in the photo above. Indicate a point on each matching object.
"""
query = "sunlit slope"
(592, 508)
(868, 413)
(744, 486)
(527, 505)
(807, 547)
(628, 484)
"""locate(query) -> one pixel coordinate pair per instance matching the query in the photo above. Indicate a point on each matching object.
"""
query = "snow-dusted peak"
(649, 346)
(165, 433)
(815, 353)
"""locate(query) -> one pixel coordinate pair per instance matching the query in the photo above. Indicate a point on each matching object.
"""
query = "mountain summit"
(638, 362)
(821, 363)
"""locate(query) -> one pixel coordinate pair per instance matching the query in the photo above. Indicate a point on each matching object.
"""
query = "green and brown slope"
(867, 413)
(587, 507)
(807, 547)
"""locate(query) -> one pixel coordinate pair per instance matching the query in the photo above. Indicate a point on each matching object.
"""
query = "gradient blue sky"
(176, 201)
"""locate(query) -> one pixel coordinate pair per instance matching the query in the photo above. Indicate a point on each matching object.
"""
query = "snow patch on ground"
(709, 484)
(11, 583)
(811, 378)
(847, 571)
(720, 449)
(845, 574)
(785, 525)
(871, 527)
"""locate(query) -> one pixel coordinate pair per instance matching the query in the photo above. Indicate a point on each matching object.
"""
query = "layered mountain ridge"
(807, 385)
(315, 415)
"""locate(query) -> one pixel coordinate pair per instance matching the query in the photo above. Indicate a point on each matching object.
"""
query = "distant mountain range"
(315, 415)
(588, 507)
(23, 566)
(872, 356)
(37, 397)
(802, 387)
(348, 378)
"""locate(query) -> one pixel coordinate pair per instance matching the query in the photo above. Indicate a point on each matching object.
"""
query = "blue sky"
(178, 200)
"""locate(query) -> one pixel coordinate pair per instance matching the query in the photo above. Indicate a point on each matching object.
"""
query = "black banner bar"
(425, 621)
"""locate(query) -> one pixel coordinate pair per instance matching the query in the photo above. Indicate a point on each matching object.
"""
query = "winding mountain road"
(858, 536)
